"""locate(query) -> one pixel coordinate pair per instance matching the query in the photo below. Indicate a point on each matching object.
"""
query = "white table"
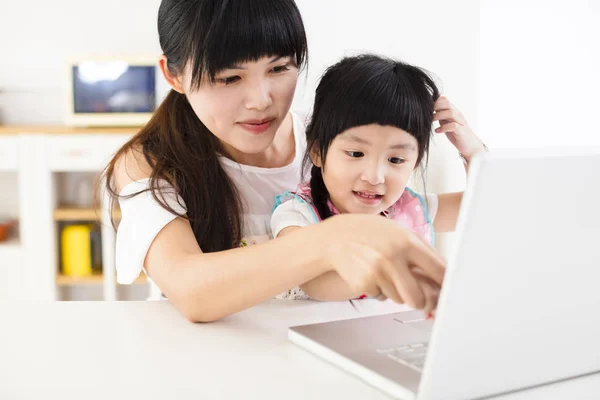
(146, 350)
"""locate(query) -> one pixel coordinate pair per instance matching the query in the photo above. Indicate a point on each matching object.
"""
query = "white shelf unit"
(10, 250)
(40, 158)
(10, 270)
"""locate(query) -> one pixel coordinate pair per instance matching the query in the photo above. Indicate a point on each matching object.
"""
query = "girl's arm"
(454, 125)
(447, 212)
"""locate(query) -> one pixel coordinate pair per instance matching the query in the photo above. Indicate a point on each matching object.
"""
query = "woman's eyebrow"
(238, 66)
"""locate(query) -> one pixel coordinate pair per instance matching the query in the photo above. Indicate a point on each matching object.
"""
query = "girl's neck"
(280, 153)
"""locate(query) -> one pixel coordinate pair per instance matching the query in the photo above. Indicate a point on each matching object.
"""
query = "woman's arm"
(209, 286)
(363, 254)
(327, 287)
(373, 255)
(332, 287)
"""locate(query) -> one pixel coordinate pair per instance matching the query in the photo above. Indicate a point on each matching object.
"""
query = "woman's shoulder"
(130, 166)
(300, 120)
(300, 116)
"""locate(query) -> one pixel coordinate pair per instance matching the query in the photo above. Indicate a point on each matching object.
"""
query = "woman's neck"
(280, 153)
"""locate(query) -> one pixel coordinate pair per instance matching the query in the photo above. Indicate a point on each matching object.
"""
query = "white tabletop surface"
(146, 350)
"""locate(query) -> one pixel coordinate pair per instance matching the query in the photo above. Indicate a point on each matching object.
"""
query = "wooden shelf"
(10, 251)
(66, 130)
(95, 279)
(80, 214)
(63, 280)
(141, 280)
(11, 243)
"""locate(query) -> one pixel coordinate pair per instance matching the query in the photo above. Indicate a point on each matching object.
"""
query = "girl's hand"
(377, 257)
(454, 125)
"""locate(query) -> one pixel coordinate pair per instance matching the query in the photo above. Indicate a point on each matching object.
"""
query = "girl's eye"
(281, 68)
(229, 80)
(355, 154)
(396, 160)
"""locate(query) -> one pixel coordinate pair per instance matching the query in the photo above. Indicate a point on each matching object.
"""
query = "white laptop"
(520, 305)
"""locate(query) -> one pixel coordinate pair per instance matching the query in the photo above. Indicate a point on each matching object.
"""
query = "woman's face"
(246, 103)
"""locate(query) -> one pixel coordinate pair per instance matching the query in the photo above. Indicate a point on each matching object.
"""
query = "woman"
(198, 183)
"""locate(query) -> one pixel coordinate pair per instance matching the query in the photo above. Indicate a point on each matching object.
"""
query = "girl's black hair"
(209, 36)
(363, 90)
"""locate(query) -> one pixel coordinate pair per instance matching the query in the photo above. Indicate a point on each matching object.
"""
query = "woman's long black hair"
(209, 35)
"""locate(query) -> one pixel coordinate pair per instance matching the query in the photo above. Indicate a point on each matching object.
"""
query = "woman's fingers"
(388, 289)
(431, 297)
(422, 255)
(406, 284)
(431, 291)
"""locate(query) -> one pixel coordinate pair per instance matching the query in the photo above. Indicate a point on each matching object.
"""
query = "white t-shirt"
(142, 218)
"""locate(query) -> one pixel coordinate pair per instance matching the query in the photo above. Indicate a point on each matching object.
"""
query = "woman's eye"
(355, 154)
(281, 68)
(229, 80)
(396, 160)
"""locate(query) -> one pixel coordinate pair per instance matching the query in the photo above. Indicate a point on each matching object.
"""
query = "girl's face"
(246, 103)
(368, 167)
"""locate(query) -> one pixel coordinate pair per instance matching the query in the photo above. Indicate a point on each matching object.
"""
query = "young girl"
(200, 179)
(370, 129)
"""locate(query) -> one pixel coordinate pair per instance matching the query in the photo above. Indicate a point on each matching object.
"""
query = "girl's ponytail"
(319, 193)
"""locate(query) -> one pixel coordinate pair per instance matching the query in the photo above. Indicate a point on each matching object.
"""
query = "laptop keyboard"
(410, 355)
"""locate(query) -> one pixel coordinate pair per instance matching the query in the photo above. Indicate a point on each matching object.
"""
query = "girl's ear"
(173, 80)
(315, 157)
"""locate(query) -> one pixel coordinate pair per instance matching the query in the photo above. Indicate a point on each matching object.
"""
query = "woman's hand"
(377, 257)
(454, 125)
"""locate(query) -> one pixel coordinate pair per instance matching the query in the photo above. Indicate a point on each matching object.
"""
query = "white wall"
(441, 36)
(540, 73)
(36, 37)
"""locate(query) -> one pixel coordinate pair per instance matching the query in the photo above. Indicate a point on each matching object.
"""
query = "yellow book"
(76, 250)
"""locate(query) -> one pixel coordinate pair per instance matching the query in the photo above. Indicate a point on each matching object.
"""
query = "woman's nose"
(259, 96)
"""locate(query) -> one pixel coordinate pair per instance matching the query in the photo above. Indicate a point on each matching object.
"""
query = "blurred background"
(524, 73)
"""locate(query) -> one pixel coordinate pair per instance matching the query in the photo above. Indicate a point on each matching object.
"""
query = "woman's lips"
(257, 126)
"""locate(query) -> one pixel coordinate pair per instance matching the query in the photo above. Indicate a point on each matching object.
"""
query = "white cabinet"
(10, 251)
(9, 153)
(37, 161)
(82, 153)
(10, 270)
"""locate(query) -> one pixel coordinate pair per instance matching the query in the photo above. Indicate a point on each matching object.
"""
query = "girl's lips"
(368, 198)
(256, 126)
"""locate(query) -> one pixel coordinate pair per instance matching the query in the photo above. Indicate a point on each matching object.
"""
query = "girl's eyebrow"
(397, 146)
(404, 146)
